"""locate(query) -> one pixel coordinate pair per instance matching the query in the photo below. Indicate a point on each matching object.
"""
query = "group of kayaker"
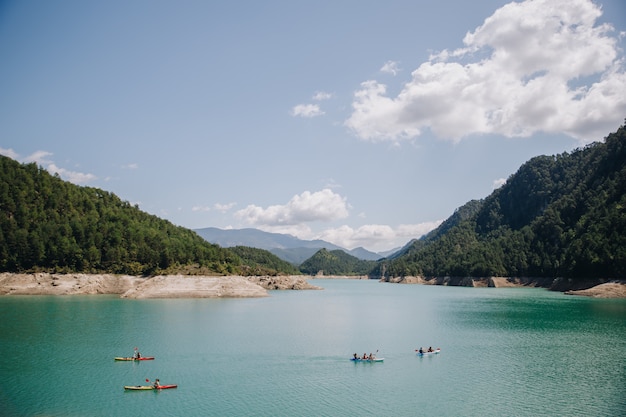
(137, 355)
(430, 349)
(365, 357)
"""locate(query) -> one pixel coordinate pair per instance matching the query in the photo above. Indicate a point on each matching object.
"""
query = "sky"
(363, 123)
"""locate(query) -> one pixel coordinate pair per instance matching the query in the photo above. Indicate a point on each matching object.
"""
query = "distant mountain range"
(286, 247)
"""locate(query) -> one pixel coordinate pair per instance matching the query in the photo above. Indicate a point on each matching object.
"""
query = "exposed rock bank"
(616, 289)
(162, 286)
(292, 282)
(608, 290)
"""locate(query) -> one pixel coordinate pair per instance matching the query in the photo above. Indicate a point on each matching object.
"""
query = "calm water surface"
(514, 352)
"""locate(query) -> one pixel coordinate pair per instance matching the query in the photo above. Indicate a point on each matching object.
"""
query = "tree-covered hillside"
(335, 262)
(262, 262)
(558, 216)
(47, 224)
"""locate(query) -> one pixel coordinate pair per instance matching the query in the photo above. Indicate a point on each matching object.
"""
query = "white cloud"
(131, 166)
(9, 152)
(390, 67)
(71, 176)
(307, 207)
(200, 208)
(322, 95)
(224, 207)
(522, 71)
(41, 158)
(376, 237)
(307, 110)
(498, 183)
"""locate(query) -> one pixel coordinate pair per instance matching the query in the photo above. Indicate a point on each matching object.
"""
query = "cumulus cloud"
(9, 152)
(71, 176)
(224, 207)
(498, 183)
(324, 205)
(306, 110)
(322, 95)
(390, 67)
(200, 208)
(42, 159)
(294, 217)
(376, 237)
(532, 66)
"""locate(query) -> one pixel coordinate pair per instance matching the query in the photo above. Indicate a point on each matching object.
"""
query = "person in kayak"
(356, 357)
(430, 349)
(136, 355)
(421, 350)
(157, 383)
(364, 356)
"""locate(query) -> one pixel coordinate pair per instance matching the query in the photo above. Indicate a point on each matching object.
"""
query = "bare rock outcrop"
(65, 284)
(290, 282)
(607, 290)
(179, 286)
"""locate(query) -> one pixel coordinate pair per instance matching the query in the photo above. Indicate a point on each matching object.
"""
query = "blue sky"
(363, 123)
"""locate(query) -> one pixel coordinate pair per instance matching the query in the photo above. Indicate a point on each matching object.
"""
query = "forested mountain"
(557, 216)
(262, 262)
(47, 224)
(335, 262)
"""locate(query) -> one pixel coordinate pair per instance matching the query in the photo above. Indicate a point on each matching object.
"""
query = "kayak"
(434, 352)
(143, 358)
(367, 360)
(147, 387)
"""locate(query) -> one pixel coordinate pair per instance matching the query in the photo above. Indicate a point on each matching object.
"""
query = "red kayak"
(143, 358)
(147, 387)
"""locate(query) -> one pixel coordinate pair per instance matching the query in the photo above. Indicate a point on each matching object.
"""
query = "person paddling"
(156, 384)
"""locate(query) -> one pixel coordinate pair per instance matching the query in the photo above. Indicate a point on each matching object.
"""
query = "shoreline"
(612, 289)
(160, 286)
(192, 286)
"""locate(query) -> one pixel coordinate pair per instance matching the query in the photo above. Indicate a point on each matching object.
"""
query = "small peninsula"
(161, 286)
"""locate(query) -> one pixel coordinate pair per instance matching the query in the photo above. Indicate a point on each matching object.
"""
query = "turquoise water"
(514, 352)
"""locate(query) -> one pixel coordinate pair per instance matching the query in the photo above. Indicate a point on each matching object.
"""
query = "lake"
(505, 351)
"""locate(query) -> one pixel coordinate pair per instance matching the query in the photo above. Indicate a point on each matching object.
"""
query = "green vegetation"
(262, 262)
(47, 224)
(335, 262)
(558, 216)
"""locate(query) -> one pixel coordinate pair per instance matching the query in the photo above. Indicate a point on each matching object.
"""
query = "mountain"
(362, 253)
(51, 225)
(286, 247)
(559, 217)
(335, 262)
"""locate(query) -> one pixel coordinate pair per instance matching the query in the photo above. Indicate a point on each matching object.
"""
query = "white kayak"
(425, 353)
(367, 360)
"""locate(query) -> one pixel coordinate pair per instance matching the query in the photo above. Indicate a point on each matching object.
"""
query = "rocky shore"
(162, 286)
(187, 286)
(614, 289)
